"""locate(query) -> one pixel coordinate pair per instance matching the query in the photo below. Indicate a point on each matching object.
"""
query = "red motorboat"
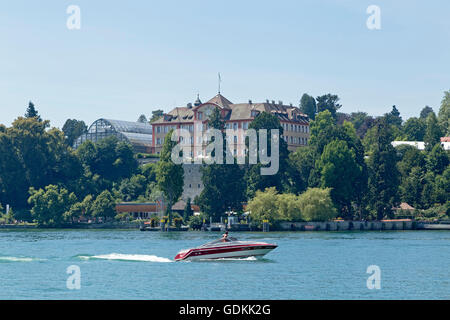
(226, 248)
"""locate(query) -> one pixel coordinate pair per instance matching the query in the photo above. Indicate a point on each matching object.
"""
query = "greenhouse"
(138, 134)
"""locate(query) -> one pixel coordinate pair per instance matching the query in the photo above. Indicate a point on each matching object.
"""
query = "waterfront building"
(237, 117)
(138, 134)
(194, 118)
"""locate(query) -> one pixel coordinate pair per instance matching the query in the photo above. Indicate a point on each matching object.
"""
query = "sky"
(133, 57)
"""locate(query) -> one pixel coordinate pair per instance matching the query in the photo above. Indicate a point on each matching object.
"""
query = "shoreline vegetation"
(348, 171)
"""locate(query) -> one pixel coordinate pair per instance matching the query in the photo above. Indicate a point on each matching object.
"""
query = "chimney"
(189, 105)
(273, 101)
(249, 101)
(280, 102)
(267, 100)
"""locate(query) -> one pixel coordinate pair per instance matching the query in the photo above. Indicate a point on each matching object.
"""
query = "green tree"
(433, 132)
(412, 186)
(156, 114)
(393, 118)
(289, 207)
(340, 172)
(444, 114)
(73, 129)
(328, 102)
(169, 176)
(188, 212)
(383, 173)
(362, 123)
(49, 205)
(280, 180)
(425, 112)
(142, 119)
(264, 206)
(224, 186)
(437, 160)
(308, 106)
(32, 112)
(104, 206)
(131, 189)
(316, 205)
(414, 129)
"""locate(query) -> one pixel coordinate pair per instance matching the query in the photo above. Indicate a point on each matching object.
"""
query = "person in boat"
(225, 237)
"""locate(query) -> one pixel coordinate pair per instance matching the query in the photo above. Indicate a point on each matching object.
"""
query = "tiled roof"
(220, 100)
(239, 111)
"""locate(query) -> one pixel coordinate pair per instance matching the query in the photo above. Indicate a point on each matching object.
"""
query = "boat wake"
(125, 257)
(232, 259)
(18, 259)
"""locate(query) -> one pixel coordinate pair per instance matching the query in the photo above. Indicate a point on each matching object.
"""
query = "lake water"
(129, 264)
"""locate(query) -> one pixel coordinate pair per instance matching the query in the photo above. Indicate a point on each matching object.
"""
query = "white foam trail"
(127, 257)
(233, 259)
(18, 259)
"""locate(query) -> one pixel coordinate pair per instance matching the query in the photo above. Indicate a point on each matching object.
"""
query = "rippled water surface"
(126, 264)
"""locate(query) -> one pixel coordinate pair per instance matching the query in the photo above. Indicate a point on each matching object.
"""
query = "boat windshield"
(229, 239)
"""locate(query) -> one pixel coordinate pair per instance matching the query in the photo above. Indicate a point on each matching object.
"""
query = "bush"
(316, 205)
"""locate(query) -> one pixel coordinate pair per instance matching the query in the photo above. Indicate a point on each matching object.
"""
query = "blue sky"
(133, 57)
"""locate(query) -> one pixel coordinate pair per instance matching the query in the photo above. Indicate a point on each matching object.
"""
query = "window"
(199, 186)
(158, 129)
(235, 139)
(235, 126)
(245, 125)
(200, 116)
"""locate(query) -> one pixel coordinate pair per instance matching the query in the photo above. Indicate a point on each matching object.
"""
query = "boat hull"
(226, 252)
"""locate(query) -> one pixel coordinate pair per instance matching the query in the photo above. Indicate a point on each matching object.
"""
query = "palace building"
(237, 116)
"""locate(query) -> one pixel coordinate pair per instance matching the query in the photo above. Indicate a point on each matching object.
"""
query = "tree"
(280, 180)
(393, 118)
(425, 112)
(32, 112)
(383, 173)
(49, 205)
(131, 189)
(188, 212)
(289, 207)
(301, 163)
(412, 186)
(328, 102)
(340, 172)
(104, 206)
(142, 119)
(414, 129)
(308, 106)
(433, 132)
(264, 206)
(444, 114)
(73, 129)
(224, 186)
(156, 115)
(33, 156)
(169, 176)
(362, 123)
(437, 160)
(316, 205)
(80, 209)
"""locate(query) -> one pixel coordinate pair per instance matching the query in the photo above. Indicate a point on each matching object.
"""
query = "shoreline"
(336, 226)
